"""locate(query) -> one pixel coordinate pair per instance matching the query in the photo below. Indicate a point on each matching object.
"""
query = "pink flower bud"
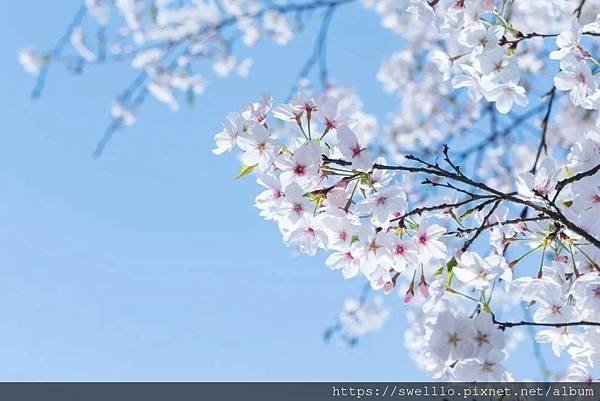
(388, 287)
(410, 294)
(458, 254)
(424, 288)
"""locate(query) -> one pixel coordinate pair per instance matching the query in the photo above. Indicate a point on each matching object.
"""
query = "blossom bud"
(410, 294)
(424, 287)
(388, 287)
(458, 254)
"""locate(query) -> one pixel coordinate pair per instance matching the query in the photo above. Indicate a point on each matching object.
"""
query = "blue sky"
(151, 263)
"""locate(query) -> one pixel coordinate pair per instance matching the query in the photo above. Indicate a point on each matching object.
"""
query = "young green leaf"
(245, 170)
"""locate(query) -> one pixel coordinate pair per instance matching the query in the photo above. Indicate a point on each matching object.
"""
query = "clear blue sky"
(151, 262)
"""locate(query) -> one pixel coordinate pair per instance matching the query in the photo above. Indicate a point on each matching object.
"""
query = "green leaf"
(450, 266)
(505, 24)
(245, 170)
(317, 199)
(467, 213)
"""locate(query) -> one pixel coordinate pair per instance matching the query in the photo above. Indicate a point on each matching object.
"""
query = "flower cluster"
(492, 52)
(480, 196)
(348, 209)
(324, 190)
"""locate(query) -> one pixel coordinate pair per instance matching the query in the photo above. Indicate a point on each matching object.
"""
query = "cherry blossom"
(474, 197)
(476, 272)
(576, 77)
(365, 217)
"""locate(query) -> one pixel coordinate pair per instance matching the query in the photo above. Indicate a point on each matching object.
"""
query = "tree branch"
(504, 325)
(545, 121)
(588, 173)
(436, 170)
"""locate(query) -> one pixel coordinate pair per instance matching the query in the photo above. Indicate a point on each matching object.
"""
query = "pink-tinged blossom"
(295, 205)
(269, 201)
(258, 111)
(576, 77)
(346, 260)
(340, 231)
(285, 112)
(486, 335)
(227, 139)
(488, 367)
(588, 197)
(352, 150)
(506, 94)
(481, 38)
(451, 337)
(328, 113)
(307, 235)
(470, 79)
(384, 205)
(541, 184)
(373, 249)
(302, 166)
(551, 306)
(568, 42)
(258, 146)
(560, 338)
(586, 291)
(429, 242)
(476, 272)
(403, 252)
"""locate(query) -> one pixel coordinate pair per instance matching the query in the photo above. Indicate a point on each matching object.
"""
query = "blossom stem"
(517, 260)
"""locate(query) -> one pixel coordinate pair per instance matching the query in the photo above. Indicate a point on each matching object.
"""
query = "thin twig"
(504, 325)
(545, 121)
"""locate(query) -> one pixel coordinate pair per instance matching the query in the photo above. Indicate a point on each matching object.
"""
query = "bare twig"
(545, 121)
(504, 325)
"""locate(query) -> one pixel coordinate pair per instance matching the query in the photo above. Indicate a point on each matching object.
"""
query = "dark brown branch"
(504, 325)
(480, 229)
(435, 170)
(442, 206)
(448, 185)
(579, 9)
(519, 220)
(588, 173)
(545, 121)
(525, 36)
(521, 37)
